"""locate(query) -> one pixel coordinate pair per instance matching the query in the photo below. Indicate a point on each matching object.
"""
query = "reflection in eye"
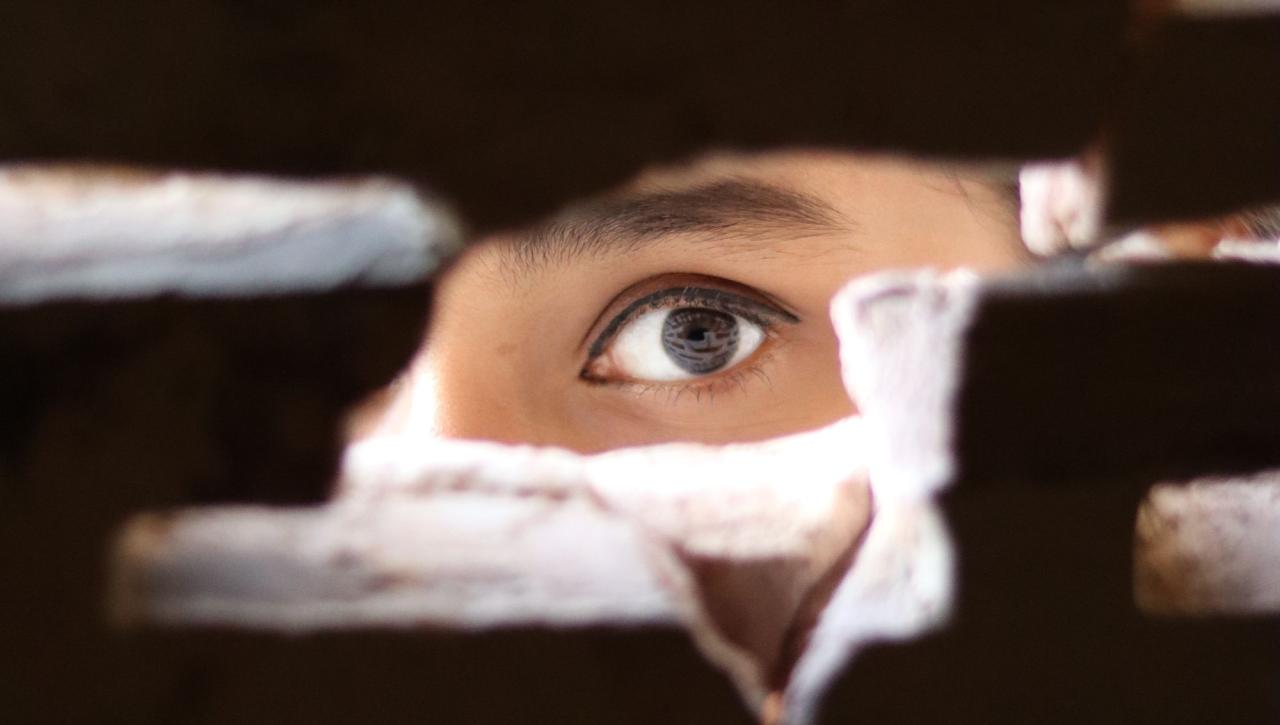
(682, 333)
(683, 343)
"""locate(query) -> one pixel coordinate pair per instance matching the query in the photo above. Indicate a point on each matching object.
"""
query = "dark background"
(509, 110)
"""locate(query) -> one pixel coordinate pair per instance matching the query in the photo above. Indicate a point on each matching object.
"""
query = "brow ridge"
(744, 209)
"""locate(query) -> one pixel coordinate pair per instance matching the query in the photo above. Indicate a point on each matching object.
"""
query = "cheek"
(502, 407)
(475, 378)
(466, 400)
(817, 384)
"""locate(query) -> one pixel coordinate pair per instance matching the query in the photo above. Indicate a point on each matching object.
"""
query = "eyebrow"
(741, 209)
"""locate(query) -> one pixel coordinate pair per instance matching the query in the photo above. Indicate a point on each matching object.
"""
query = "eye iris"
(699, 340)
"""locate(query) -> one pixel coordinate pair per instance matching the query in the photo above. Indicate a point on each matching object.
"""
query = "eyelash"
(768, 316)
(757, 312)
(710, 387)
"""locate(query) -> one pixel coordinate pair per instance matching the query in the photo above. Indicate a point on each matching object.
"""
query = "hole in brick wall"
(539, 336)
(667, 350)
(690, 304)
(630, 426)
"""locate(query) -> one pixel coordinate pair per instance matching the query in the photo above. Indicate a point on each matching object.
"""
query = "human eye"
(684, 333)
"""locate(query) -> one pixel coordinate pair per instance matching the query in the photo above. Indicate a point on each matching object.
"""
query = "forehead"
(742, 202)
(753, 202)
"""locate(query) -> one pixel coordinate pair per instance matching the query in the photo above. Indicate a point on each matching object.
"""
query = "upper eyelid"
(723, 298)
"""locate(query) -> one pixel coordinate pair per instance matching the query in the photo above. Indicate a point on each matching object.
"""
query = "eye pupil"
(700, 340)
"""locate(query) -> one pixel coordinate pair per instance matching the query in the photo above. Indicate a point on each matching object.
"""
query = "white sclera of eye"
(638, 353)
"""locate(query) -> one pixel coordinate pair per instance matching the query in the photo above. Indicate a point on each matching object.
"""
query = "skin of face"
(508, 354)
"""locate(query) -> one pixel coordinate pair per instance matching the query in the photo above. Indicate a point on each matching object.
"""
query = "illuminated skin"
(691, 305)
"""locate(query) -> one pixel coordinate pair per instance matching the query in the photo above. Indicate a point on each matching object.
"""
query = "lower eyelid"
(752, 370)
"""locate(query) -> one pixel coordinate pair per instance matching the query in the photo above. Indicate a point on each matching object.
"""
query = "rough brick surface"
(1068, 372)
(124, 392)
(1065, 396)
(1210, 547)
(739, 545)
(767, 571)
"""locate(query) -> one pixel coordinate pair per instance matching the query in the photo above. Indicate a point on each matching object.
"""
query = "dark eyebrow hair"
(743, 209)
